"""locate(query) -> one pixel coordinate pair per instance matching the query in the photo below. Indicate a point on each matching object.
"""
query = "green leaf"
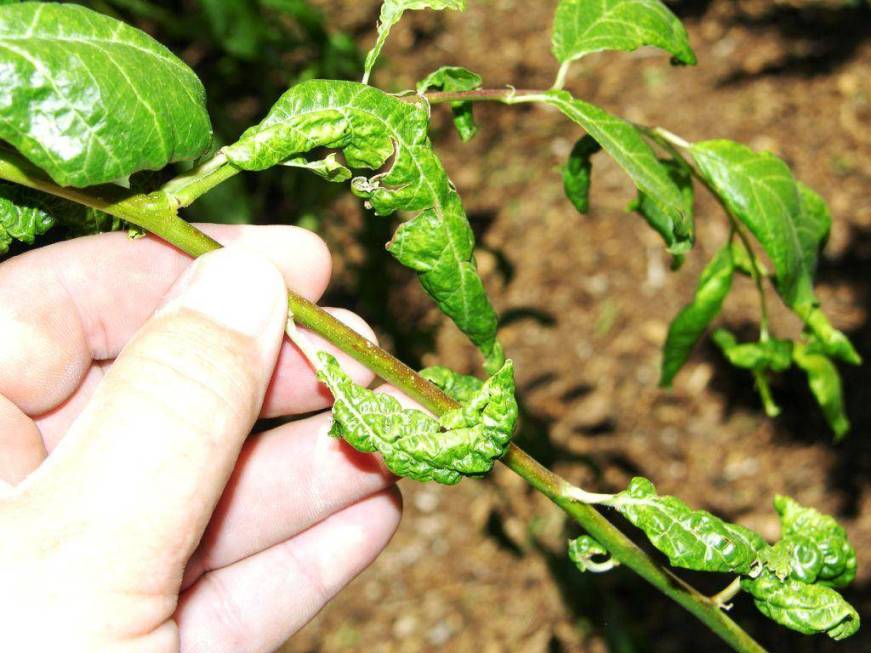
(370, 127)
(743, 261)
(825, 384)
(391, 13)
(328, 168)
(463, 442)
(769, 355)
(837, 558)
(679, 235)
(830, 340)
(789, 220)
(582, 552)
(692, 320)
(584, 26)
(454, 79)
(23, 216)
(79, 95)
(236, 25)
(809, 609)
(692, 539)
(577, 172)
(459, 387)
(624, 143)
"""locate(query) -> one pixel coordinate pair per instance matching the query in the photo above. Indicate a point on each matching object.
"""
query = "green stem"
(157, 213)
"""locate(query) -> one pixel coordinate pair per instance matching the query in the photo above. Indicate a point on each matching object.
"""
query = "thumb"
(142, 468)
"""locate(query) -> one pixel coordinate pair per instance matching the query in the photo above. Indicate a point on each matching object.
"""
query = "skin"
(136, 513)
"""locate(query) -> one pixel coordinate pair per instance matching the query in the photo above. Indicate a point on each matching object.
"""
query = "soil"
(586, 302)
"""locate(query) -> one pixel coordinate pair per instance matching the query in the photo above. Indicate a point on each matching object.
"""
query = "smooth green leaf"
(692, 539)
(391, 13)
(23, 216)
(837, 558)
(770, 355)
(692, 320)
(459, 387)
(454, 79)
(584, 26)
(677, 230)
(80, 98)
(789, 220)
(577, 172)
(825, 384)
(370, 127)
(463, 442)
(624, 143)
(809, 609)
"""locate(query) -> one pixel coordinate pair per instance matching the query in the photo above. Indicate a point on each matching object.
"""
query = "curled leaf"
(584, 550)
(463, 442)
(692, 539)
(453, 79)
(391, 13)
(370, 127)
(577, 172)
(677, 229)
(825, 384)
(24, 215)
(459, 387)
(769, 355)
(692, 320)
(809, 609)
(837, 559)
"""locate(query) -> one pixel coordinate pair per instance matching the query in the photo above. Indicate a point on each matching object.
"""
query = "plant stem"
(157, 213)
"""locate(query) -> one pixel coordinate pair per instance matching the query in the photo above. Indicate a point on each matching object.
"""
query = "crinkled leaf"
(809, 609)
(23, 215)
(692, 539)
(463, 442)
(459, 387)
(677, 230)
(623, 142)
(370, 127)
(796, 557)
(391, 13)
(692, 320)
(789, 220)
(808, 527)
(584, 26)
(771, 355)
(825, 384)
(577, 172)
(328, 168)
(79, 96)
(453, 79)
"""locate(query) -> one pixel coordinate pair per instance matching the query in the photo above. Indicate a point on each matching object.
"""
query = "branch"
(158, 213)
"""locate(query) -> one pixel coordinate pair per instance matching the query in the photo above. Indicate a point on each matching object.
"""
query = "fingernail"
(235, 288)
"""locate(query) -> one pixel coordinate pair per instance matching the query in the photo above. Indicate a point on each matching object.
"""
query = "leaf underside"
(90, 99)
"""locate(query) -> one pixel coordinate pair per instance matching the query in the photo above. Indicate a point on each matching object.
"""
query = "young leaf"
(825, 384)
(328, 168)
(370, 127)
(577, 172)
(627, 147)
(769, 355)
(453, 79)
(809, 609)
(391, 13)
(584, 26)
(459, 387)
(837, 566)
(788, 219)
(463, 442)
(23, 216)
(692, 539)
(78, 95)
(692, 320)
(679, 234)
(584, 550)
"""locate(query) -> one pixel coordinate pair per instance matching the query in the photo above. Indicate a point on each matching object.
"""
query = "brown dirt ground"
(480, 567)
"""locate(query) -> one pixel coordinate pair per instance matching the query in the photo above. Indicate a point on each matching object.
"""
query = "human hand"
(154, 524)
